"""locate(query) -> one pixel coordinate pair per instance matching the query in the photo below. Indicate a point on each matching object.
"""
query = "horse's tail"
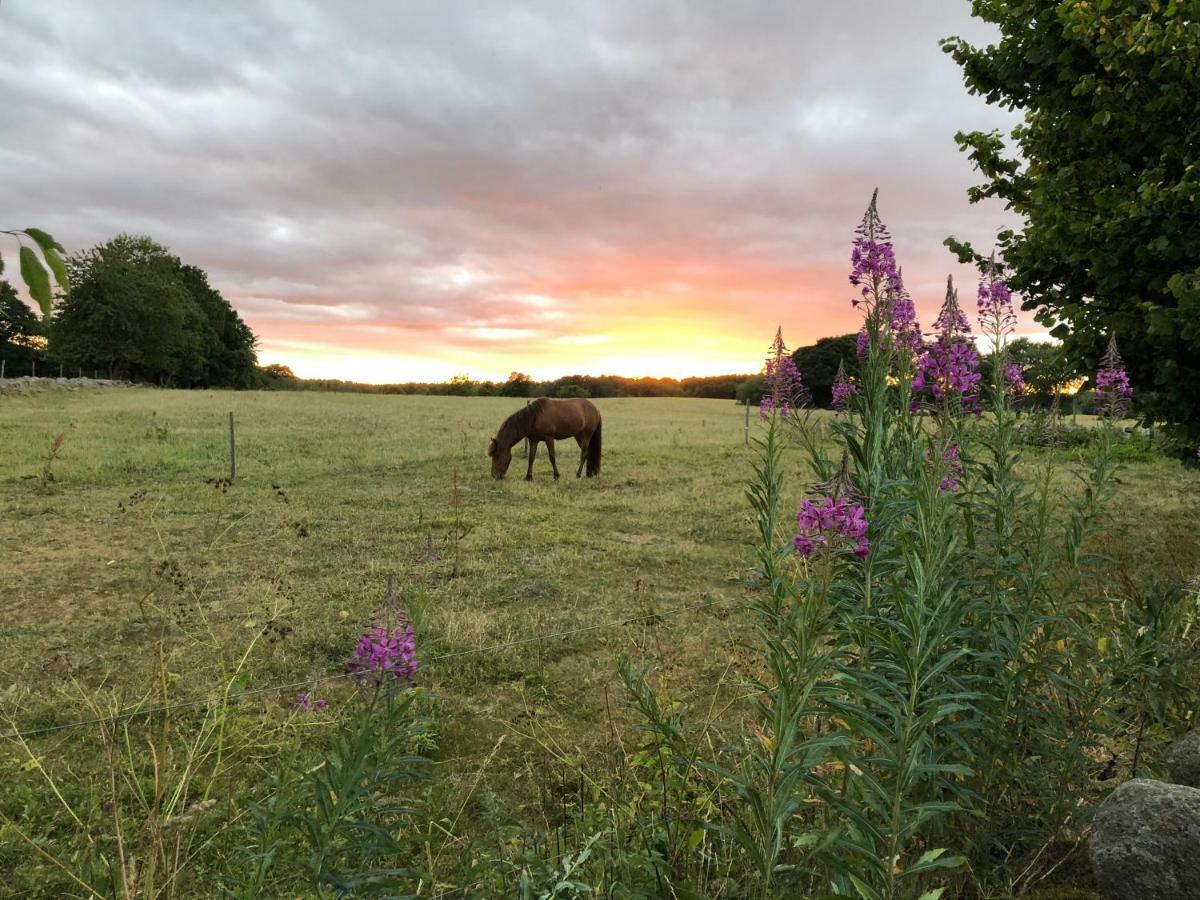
(593, 460)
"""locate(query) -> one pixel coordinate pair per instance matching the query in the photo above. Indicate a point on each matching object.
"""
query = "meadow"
(135, 577)
(137, 559)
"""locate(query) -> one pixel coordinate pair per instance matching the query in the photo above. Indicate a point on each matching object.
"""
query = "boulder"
(1183, 759)
(1146, 842)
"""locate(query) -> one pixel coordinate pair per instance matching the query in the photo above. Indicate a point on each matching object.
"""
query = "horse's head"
(501, 459)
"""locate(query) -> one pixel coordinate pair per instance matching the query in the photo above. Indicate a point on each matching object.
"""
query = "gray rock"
(1146, 842)
(1183, 759)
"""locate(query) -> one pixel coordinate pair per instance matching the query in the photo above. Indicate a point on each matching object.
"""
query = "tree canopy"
(139, 312)
(1105, 171)
(818, 365)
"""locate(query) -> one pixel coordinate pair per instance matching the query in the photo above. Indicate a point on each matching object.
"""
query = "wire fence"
(230, 696)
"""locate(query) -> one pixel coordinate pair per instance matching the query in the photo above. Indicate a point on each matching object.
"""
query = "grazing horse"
(549, 420)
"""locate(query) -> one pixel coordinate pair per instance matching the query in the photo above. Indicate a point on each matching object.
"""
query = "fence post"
(33, 367)
(232, 451)
(60, 370)
(747, 421)
(2, 362)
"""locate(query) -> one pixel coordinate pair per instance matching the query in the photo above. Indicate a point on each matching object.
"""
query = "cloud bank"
(407, 191)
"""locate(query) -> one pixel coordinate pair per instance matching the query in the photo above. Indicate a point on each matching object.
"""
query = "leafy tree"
(137, 311)
(818, 365)
(751, 390)
(518, 385)
(228, 343)
(1105, 171)
(571, 389)
(462, 385)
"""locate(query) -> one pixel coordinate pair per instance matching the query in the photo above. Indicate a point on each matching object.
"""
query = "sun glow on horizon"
(630, 355)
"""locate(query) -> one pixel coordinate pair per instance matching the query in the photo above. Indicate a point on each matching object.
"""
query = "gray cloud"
(423, 167)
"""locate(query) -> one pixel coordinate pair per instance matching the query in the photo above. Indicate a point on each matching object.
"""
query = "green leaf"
(53, 251)
(37, 279)
(55, 261)
(44, 240)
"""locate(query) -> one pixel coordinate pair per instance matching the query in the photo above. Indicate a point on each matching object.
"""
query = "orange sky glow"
(391, 195)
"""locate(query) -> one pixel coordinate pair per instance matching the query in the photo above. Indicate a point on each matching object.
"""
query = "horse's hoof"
(529, 478)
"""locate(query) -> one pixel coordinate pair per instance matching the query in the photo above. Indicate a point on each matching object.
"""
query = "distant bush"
(570, 390)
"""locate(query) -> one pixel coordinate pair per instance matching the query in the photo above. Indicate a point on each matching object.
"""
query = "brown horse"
(549, 420)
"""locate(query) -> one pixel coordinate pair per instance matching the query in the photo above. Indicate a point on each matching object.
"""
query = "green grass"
(132, 575)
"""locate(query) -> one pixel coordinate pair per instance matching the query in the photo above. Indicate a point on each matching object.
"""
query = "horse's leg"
(583, 448)
(553, 461)
(532, 453)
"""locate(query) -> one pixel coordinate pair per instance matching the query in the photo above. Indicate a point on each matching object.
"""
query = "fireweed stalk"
(386, 651)
(843, 389)
(1113, 392)
(785, 394)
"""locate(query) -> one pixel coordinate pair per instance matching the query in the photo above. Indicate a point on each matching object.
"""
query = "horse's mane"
(519, 424)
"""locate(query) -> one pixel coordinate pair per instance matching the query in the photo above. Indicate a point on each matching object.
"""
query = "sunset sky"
(408, 191)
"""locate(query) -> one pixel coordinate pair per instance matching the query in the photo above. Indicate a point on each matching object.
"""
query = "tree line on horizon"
(1045, 367)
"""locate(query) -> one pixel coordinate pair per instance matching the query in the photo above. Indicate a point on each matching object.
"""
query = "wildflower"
(872, 258)
(785, 386)
(953, 468)
(902, 316)
(949, 369)
(832, 523)
(862, 344)
(1014, 377)
(306, 702)
(1113, 391)
(994, 302)
(843, 388)
(951, 321)
(382, 651)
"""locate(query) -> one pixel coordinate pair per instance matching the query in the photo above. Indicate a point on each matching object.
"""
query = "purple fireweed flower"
(843, 389)
(872, 258)
(949, 368)
(384, 651)
(995, 305)
(785, 387)
(952, 468)
(902, 318)
(833, 524)
(306, 702)
(951, 321)
(1113, 391)
(1014, 377)
(862, 344)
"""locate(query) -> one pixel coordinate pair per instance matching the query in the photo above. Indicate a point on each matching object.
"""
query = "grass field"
(133, 577)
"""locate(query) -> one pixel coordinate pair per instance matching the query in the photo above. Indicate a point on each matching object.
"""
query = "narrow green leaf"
(55, 261)
(44, 240)
(37, 279)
